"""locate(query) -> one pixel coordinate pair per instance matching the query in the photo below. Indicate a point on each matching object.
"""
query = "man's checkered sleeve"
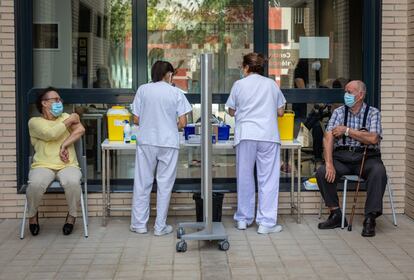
(334, 121)
(376, 123)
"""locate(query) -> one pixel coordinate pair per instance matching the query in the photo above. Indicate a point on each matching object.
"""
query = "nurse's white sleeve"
(231, 101)
(136, 105)
(183, 106)
(281, 100)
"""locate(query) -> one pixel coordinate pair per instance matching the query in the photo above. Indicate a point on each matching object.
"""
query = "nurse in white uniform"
(256, 101)
(157, 107)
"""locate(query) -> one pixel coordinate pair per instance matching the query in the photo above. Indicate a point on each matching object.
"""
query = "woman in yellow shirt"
(52, 136)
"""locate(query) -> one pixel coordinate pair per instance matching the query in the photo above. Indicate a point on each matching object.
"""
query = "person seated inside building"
(53, 135)
(102, 78)
(354, 132)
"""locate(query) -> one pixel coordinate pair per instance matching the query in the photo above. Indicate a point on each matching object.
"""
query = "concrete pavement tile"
(13, 275)
(410, 276)
(41, 275)
(156, 275)
(74, 268)
(361, 275)
(45, 268)
(192, 274)
(70, 275)
(131, 273)
(389, 276)
(272, 276)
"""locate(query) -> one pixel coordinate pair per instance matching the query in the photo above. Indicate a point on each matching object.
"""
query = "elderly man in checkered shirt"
(344, 142)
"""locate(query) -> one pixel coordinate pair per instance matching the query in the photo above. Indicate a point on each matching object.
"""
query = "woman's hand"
(64, 154)
(71, 120)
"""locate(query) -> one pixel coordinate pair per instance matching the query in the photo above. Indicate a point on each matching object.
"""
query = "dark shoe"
(35, 228)
(67, 227)
(333, 221)
(369, 227)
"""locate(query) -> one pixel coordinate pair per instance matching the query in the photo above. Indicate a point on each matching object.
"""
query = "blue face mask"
(349, 99)
(56, 109)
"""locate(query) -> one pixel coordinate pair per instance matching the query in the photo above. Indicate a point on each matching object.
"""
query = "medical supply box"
(117, 115)
(286, 125)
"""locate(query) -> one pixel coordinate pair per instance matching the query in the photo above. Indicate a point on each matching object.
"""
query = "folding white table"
(107, 146)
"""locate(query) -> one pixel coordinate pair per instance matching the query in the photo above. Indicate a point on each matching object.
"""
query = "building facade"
(90, 56)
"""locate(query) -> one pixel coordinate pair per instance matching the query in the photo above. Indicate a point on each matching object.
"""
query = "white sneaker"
(266, 230)
(241, 225)
(166, 230)
(138, 230)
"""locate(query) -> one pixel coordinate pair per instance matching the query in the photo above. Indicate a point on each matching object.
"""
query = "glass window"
(82, 44)
(315, 43)
(178, 31)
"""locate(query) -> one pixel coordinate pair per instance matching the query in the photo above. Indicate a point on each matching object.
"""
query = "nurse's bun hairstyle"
(159, 69)
(255, 61)
(41, 96)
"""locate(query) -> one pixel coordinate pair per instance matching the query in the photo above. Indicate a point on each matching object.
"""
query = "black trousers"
(349, 163)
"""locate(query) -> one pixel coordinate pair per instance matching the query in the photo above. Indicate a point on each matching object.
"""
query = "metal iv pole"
(209, 230)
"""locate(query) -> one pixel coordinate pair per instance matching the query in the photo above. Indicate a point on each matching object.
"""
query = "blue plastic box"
(223, 132)
(189, 129)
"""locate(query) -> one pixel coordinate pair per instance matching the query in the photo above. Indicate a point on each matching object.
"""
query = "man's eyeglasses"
(54, 99)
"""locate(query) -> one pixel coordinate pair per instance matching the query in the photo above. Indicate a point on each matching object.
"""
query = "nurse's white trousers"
(266, 155)
(151, 160)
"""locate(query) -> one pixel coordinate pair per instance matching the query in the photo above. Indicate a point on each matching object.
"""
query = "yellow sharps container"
(116, 117)
(286, 125)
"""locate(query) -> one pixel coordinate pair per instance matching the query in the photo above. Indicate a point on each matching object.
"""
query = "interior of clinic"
(90, 44)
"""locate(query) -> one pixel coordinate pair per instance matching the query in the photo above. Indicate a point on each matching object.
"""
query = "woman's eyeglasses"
(54, 99)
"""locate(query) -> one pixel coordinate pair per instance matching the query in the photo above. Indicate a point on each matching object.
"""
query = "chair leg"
(23, 219)
(394, 217)
(344, 204)
(320, 207)
(86, 204)
(85, 227)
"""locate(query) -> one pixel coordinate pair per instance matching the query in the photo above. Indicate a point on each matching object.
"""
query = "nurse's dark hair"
(41, 97)
(159, 69)
(255, 61)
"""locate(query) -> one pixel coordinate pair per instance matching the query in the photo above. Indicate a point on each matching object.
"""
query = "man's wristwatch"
(347, 132)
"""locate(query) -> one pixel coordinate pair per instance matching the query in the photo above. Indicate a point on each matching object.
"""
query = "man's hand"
(339, 131)
(330, 173)
(64, 154)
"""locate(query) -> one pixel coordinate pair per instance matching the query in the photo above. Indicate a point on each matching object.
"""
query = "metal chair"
(354, 178)
(56, 187)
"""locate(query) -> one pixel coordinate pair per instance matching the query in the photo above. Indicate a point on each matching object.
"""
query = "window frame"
(25, 92)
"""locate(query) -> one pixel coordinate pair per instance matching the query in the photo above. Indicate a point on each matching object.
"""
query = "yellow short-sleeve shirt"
(46, 137)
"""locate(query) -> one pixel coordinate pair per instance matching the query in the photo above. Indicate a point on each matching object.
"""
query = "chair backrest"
(81, 155)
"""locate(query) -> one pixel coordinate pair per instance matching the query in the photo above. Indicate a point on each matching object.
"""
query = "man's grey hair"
(361, 86)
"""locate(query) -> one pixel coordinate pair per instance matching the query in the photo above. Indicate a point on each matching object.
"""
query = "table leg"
(189, 157)
(98, 146)
(108, 183)
(292, 181)
(103, 188)
(299, 185)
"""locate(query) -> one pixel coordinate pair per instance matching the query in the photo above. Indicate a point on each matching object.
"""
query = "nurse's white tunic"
(256, 100)
(158, 105)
